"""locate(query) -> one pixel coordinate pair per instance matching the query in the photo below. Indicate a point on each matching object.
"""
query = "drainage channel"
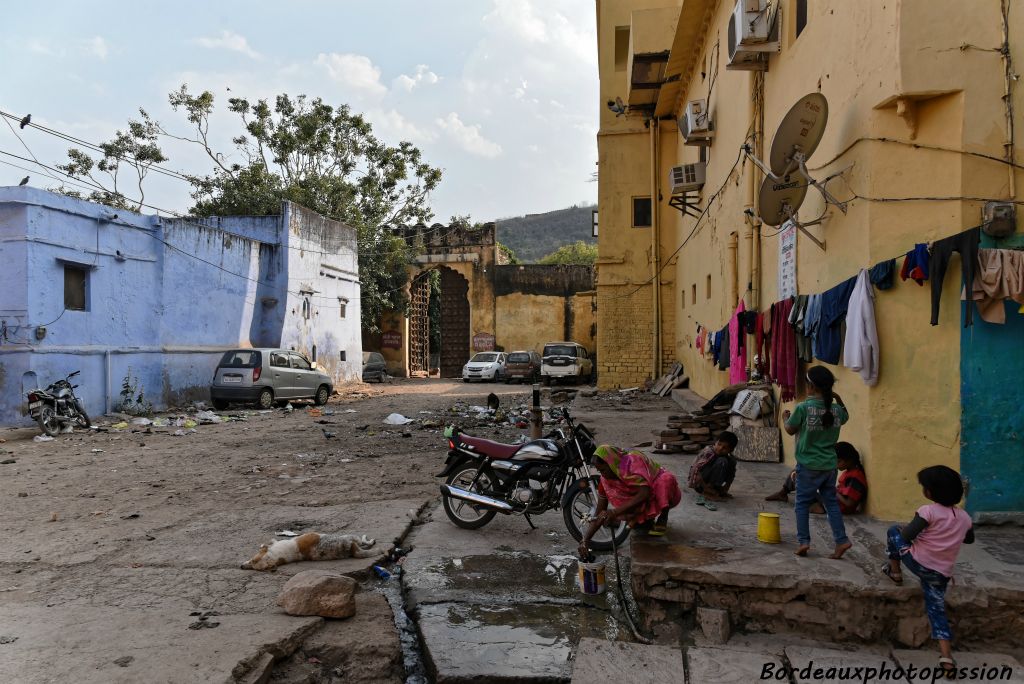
(408, 637)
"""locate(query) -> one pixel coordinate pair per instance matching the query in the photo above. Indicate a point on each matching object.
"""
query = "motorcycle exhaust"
(473, 497)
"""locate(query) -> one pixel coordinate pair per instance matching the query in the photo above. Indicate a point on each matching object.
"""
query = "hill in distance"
(535, 236)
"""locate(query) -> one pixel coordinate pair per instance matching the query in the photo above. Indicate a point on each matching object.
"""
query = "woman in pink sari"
(633, 489)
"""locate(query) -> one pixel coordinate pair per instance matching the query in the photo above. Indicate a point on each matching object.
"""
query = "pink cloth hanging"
(737, 350)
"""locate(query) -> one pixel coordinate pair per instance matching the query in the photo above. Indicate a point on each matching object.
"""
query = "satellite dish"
(800, 131)
(779, 199)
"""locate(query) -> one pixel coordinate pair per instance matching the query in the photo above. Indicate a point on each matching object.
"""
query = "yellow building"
(922, 101)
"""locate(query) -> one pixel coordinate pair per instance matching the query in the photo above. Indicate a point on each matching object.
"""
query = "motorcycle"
(57, 406)
(484, 478)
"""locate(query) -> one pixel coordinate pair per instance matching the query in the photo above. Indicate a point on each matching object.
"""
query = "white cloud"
(355, 71)
(228, 40)
(468, 137)
(519, 18)
(97, 47)
(422, 76)
(391, 126)
(40, 47)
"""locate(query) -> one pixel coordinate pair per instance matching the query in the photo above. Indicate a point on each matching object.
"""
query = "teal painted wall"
(992, 423)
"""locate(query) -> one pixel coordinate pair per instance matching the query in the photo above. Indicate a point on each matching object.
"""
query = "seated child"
(713, 471)
(851, 488)
(928, 547)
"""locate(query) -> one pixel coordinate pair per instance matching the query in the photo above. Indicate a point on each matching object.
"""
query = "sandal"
(896, 577)
(710, 506)
(658, 530)
(948, 666)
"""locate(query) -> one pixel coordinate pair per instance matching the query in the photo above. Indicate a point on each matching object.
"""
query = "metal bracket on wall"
(681, 201)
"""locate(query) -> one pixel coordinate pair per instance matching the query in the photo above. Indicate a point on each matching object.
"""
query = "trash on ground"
(398, 419)
(141, 422)
(97, 451)
(119, 426)
(328, 434)
(161, 422)
(287, 533)
(314, 412)
(131, 516)
(350, 411)
(208, 417)
(42, 438)
(67, 429)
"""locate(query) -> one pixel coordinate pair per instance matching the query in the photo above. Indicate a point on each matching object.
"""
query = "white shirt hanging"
(860, 349)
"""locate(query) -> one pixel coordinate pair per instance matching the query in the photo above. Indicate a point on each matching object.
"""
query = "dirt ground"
(113, 533)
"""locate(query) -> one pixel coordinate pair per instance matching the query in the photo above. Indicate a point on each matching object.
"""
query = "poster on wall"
(392, 339)
(787, 260)
(483, 342)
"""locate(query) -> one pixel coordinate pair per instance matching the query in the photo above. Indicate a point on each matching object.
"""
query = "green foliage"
(579, 253)
(434, 311)
(533, 236)
(306, 151)
(507, 256)
(133, 400)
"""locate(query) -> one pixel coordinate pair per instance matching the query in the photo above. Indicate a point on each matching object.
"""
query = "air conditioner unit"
(695, 124)
(752, 32)
(687, 177)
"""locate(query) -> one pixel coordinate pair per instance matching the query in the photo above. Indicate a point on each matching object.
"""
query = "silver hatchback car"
(266, 376)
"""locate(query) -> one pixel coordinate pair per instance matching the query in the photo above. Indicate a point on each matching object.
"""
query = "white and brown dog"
(310, 546)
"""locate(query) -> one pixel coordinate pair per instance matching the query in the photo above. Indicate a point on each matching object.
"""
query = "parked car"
(523, 366)
(485, 366)
(266, 377)
(374, 367)
(566, 360)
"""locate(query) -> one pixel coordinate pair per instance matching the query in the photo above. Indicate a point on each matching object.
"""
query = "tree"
(306, 151)
(506, 255)
(579, 253)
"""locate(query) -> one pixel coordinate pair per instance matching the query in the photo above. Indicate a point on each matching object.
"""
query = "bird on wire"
(26, 121)
(24, 181)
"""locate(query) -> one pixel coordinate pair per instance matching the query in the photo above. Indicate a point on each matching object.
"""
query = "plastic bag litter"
(42, 438)
(119, 426)
(161, 422)
(287, 533)
(208, 416)
(397, 419)
(141, 421)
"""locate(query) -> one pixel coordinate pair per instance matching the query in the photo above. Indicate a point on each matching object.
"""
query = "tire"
(48, 422)
(219, 404)
(322, 395)
(82, 420)
(266, 399)
(577, 504)
(463, 513)
(547, 380)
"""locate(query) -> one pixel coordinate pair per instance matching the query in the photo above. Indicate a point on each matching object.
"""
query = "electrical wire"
(27, 148)
(922, 146)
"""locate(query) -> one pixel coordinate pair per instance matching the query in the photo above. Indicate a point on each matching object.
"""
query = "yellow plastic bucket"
(591, 577)
(768, 528)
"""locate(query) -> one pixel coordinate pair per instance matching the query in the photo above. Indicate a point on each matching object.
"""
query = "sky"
(501, 94)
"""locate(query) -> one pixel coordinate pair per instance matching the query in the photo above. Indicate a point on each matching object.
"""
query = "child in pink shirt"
(928, 547)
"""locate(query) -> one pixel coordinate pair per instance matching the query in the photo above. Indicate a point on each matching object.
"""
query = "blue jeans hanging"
(809, 485)
(932, 583)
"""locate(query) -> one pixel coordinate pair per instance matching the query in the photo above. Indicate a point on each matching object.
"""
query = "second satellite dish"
(800, 131)
(779, 199)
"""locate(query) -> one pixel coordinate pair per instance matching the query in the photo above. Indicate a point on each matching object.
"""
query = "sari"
(634, 470)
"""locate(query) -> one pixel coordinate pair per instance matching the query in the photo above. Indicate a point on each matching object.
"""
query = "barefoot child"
(851, 489)
(713, 471)
(928, 547)
(817, 420)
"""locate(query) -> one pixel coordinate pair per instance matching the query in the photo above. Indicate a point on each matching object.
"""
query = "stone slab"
(832, 665)
(1014, 672)
(728, 666)
(598, 660)
(82, 644)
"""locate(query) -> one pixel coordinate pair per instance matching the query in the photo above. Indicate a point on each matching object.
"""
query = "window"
(306, 308)
(342, 303)
(279, 360)
(709, 287)
(621, 47)
(801, 16)
(241, 358)
(299, 363)
(75, 283)
(693, 297)
(593, 223)
(641, 212)
(342, 355)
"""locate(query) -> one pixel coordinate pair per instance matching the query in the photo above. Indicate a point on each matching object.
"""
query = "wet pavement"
(502, 603)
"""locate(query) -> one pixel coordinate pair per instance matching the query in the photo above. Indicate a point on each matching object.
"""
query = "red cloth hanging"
(783, 350)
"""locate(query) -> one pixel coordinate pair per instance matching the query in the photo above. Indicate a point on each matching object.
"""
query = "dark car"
(374, 367)
(522, 366)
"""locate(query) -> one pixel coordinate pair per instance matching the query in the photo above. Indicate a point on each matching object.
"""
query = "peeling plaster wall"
(538, 304)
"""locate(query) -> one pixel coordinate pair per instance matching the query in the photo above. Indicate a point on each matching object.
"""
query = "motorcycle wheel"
(463, 513)
(48, 422)
(576, 510)
(82, 420)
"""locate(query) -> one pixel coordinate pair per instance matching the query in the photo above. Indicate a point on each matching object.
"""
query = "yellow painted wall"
(528, 322)
(863, 57)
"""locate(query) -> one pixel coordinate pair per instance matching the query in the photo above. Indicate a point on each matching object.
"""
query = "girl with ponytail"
(817, 420)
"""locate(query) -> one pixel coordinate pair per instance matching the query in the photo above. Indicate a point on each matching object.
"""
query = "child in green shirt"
(817, 420)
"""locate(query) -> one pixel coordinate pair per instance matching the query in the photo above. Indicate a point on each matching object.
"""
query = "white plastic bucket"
(591, 577)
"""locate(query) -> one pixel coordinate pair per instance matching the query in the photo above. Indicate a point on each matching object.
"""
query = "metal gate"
(419, 325)
(454, 323)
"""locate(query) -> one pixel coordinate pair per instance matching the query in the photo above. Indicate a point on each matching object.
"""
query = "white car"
(485, 366)
(566, 361)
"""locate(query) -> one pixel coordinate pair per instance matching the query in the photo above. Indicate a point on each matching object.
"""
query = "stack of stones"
(692, 432)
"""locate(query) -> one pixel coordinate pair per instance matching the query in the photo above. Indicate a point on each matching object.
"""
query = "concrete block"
(714, 622)
(913, 631)
(615, 661)
(727, 666)
(991, 667)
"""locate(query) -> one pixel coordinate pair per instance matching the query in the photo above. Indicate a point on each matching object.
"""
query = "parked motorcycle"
(57, 406)
(484, 478)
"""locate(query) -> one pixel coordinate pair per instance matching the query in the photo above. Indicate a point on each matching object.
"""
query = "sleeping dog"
(310, 546)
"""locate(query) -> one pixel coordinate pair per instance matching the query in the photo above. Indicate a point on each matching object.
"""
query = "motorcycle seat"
(486, 446)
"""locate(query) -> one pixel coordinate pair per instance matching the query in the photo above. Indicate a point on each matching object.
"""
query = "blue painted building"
(117, 294)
